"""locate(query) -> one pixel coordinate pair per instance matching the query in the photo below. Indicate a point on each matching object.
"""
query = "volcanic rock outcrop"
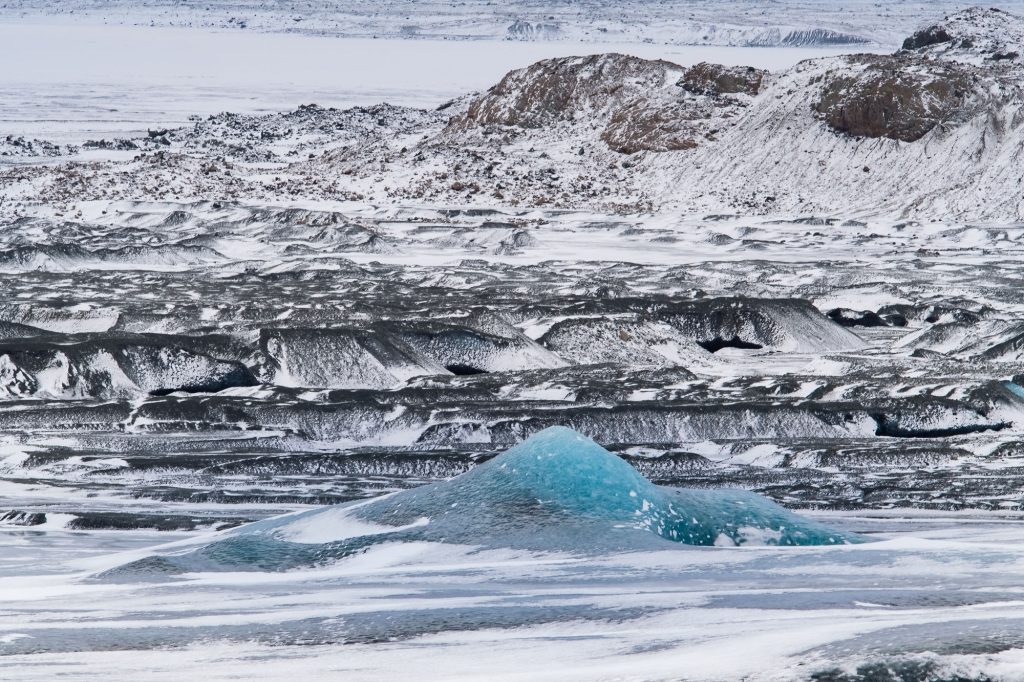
(945, 74)
(638, 104)
(933, 130)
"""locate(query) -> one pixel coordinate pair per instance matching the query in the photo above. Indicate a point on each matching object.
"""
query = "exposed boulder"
(931, 35)
(988, 33)
(898, 97)
(946, 72)
(839, 135)
(715, 79)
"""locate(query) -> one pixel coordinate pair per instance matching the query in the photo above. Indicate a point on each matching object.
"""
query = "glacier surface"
(277, 384)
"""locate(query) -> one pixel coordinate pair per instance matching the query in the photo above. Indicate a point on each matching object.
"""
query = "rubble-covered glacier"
(626, 364)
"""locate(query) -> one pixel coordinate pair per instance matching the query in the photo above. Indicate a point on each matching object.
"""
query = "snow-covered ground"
(937, 596)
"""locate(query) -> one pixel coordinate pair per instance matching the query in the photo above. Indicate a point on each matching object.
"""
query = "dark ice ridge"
(353, 353)
(296, 375)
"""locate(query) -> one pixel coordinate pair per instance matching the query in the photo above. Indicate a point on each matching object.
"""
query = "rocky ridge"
(933, 130)
(634, 104)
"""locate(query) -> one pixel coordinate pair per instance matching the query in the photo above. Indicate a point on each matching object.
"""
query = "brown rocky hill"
(635, 104)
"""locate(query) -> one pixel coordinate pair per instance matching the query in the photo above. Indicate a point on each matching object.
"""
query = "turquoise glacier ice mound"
(559, 478)
(556, 491)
